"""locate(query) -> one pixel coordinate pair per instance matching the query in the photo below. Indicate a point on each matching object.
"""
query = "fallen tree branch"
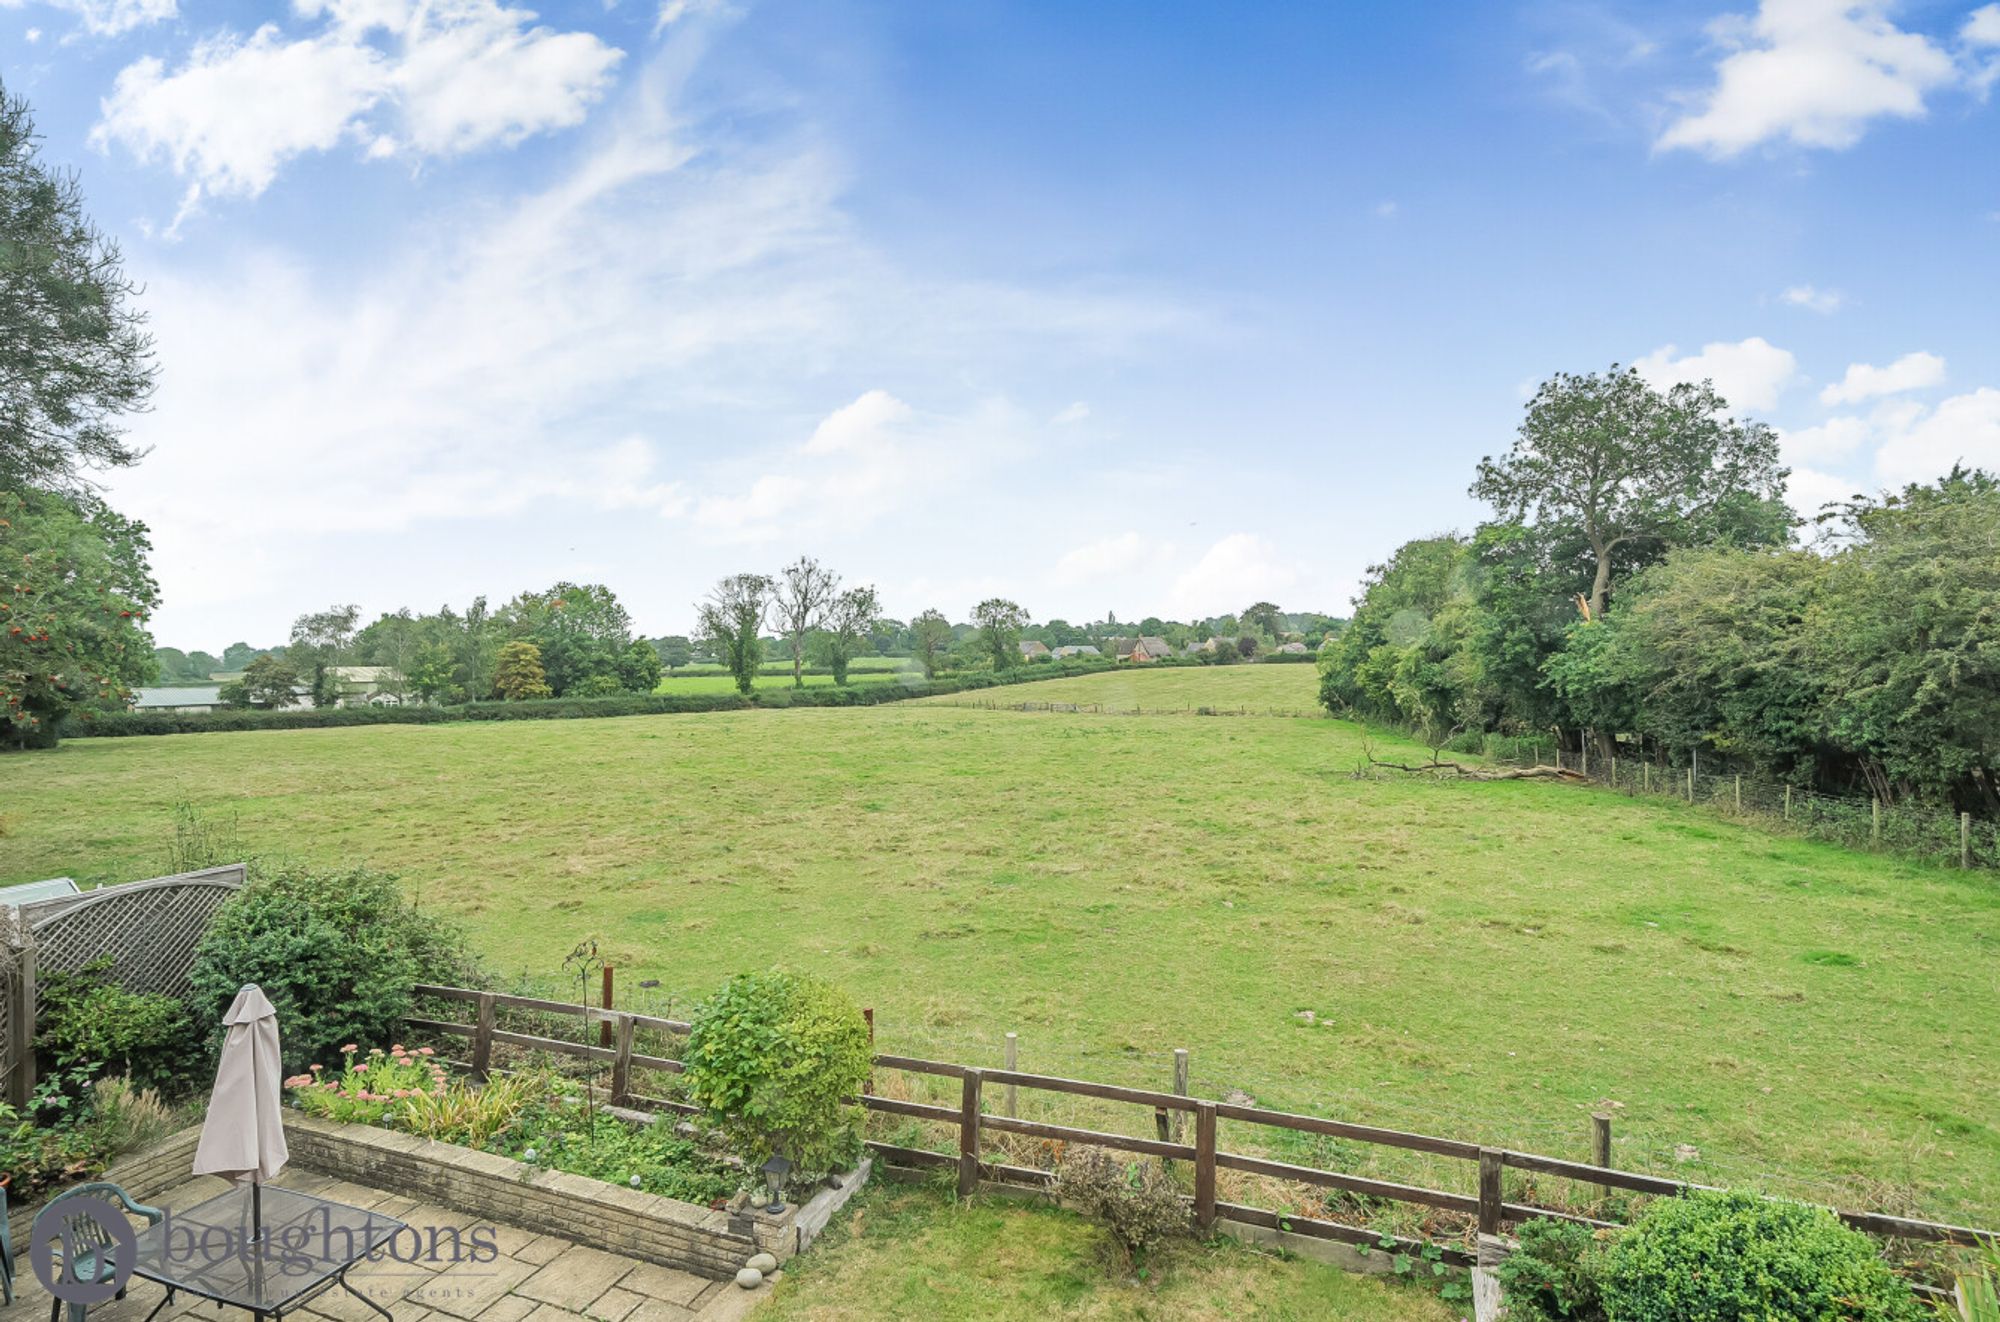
(1464, 772)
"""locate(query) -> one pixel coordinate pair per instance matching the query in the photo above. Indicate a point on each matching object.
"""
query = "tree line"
(1640, 588)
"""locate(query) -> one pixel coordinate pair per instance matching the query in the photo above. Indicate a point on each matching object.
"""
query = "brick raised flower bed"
(611, 1217)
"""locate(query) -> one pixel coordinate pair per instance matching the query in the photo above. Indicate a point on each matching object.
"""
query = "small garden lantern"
(775, 1171)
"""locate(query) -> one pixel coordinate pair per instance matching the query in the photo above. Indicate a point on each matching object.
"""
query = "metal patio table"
(306, 1247)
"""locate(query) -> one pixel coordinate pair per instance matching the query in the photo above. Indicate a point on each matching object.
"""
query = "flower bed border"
(630, 1222)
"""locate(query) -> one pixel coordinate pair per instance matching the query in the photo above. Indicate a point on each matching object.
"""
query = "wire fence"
(1910, 830)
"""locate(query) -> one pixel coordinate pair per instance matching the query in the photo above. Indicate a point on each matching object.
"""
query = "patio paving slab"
(535, 1278)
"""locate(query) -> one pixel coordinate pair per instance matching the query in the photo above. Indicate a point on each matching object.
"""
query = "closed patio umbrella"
(243, 1138)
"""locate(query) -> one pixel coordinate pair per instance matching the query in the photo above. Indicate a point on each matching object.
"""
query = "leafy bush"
(1736, 1257)
(554, 1125)
(772, 1060)
(86, 1018)
(335, 951)
(1137, 1201)
(1552, 1277)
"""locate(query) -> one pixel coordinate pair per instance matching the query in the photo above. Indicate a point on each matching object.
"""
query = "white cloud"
(105, 18)
(1982, 27)
(1834, 439)
(864, 460)
(1241, 568)
(1387, 209)
(1072, 413)
(1962, 429)
(1814, 73)
(1108, 557)
(393, 76)
(1826, 302)
(1749, 374)
(1913, 371)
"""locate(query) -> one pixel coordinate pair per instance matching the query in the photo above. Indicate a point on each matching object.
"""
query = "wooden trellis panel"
(148, 929)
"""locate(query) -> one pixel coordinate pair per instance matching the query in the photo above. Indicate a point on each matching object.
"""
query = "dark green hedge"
(121, 724)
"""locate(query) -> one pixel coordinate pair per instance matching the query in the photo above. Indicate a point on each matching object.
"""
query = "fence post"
(1965, 839)
(968, 1134)
(1646, 776)
(1875, 823)
(1489, 1191)
(482, 1038)
(1013, 1061)
(621, 1068)
(21, 1086)
(1788, 801)
(604, 1025)
(1180, 1086)
(1739, 793)
(1600, 1147)
(1204, 1165)
(1614, 771)
(1690, 782)
(868, 1085)
(1583, 754)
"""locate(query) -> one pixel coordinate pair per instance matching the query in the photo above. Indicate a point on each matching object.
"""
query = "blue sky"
(1153, 308)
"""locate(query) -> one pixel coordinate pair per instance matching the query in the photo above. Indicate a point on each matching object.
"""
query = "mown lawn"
(1482, 960)
(902, 1252)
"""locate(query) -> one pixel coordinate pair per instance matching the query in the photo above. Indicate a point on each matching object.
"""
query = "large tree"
(583, 633)
(848, 621)
(930, 638)
(74, 594)
(74, 353)
(320, 642)
(1623, 463)
(1000, 622)
(800, 597)
(518, 674)
(732, 624)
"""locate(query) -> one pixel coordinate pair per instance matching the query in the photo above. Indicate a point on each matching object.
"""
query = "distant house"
(1141, 650)
(1206, 647)
(368, 686)
(1293, 649)
(1075, 649)
(178, 697)
(1030, 649)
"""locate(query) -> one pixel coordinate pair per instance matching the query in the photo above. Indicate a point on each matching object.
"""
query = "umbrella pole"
(256, 1209)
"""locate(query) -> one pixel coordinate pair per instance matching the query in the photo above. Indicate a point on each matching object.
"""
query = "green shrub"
(86, 1018)
(1736, 1257)
(1552, 1277)
(772, 1060)
(337, 952)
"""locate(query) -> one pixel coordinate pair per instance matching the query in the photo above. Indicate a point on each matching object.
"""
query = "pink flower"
(402, 1093)
(317, 1068)
(362, 1068)
(425, 1051)
(397, 1048)
(349, 1049)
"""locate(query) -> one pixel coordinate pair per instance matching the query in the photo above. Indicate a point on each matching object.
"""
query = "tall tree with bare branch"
(1616, 462)
(802, 592)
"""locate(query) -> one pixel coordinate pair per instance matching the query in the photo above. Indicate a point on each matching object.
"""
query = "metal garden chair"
(83, 1246)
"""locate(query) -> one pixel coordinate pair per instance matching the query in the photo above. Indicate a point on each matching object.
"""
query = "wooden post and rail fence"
(1488, 1209)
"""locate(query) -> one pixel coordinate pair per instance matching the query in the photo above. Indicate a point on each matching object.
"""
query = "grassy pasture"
(912, 1253)
(1482, 960)
(723, 682)
(1260, 688)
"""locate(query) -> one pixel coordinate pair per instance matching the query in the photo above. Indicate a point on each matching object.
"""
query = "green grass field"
(1482, 960)
(913, 1253)
(1258, 688)
(723, 682)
